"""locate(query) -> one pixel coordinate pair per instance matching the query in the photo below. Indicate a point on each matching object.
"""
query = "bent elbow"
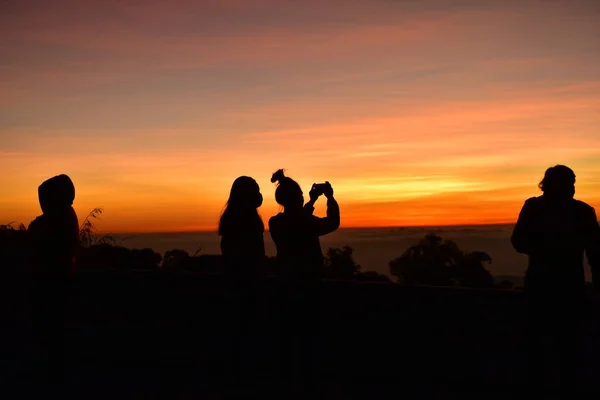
(335, 226)
(335, 222)
(330, 226)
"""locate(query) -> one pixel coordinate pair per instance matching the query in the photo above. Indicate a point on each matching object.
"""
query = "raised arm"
(323, 226)
(309, 208)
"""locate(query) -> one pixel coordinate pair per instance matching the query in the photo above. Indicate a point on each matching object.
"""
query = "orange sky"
(418, 113)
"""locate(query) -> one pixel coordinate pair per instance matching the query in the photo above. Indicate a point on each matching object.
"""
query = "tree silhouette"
(339, 264)
(176, 258)
(105, 255)
(471, 271)
(438, 262)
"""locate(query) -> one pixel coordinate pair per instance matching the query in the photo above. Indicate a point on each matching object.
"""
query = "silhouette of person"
(554, 230)
(300, 261)
(53, 239)
(241, 229)
(242, 244)
(296, 231)
(54, 234)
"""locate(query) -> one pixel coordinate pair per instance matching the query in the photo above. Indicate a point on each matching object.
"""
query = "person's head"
(241, 208)
(245, 194)
(288, 192)
(56, 194)
(559, 181)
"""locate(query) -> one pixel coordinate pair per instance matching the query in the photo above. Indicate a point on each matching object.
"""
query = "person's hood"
(56, 194)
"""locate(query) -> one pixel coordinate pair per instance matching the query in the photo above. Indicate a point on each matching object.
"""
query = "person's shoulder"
(534, 201)
(36, 223)
(276, 219)
(583, 206)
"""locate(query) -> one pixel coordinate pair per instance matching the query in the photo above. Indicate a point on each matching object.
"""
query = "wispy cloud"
(417, 112)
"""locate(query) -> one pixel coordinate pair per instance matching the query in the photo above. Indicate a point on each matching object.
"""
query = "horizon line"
(345, 227)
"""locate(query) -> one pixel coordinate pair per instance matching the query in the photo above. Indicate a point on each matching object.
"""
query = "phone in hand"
(321, 188)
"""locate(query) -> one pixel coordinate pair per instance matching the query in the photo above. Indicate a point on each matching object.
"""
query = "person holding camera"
(296, 231)
(300, 260)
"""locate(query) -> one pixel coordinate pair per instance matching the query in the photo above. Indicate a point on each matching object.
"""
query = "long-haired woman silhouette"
(242, 244)
(241, 229)
(296, 231)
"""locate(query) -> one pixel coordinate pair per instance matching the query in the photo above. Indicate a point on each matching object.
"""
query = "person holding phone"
(296, 231)
(300, 260)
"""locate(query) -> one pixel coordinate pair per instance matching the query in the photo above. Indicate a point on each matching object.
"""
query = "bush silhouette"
(180, 260)
(13, 245)
(438, 262)
(339, 264)
(175, 259)
(110, 256)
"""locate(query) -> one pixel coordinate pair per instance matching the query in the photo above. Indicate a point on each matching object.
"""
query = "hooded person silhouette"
(54, 234)
(53, 238)
(554, 230)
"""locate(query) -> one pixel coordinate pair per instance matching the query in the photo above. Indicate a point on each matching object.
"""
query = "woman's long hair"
(241, 211)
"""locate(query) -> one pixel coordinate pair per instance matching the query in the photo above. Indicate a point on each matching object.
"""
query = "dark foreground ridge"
(173, 334)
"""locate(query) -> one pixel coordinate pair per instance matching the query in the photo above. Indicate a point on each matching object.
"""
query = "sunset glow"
(417, 112)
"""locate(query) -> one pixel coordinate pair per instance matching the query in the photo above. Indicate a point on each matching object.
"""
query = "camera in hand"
(321, 188)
